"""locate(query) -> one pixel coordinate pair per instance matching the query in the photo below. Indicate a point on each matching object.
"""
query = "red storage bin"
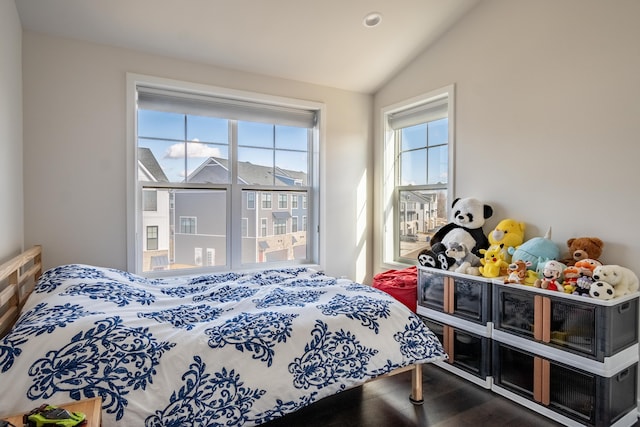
(400, 284)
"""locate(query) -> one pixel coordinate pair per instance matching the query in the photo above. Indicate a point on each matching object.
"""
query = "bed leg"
(416, 385)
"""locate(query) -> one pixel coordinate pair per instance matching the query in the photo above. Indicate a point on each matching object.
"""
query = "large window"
(207, 156)
(417, 183)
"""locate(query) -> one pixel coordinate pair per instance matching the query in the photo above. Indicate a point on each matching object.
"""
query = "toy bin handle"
(624, 307)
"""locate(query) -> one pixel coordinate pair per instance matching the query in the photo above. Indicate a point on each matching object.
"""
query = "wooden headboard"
(18, 277)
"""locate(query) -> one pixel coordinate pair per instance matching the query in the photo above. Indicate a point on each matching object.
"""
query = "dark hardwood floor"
(449, 401)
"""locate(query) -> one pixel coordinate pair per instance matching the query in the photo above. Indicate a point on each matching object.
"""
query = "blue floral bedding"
(219, 349)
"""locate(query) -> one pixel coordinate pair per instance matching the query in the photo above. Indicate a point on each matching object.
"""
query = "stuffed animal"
(601, 290)
(551, 276)
(427, 258)
(517, 272)
(492, 261)
(623, 280)
(445, 262)
(571, 276)
(582, 248)
(468, 217)
(536, 250)
(509, 233)
(465, 261)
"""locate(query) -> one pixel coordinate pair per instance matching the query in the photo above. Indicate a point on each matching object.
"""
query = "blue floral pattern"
(220, 349)
(363, 308)
(127, 360)
(256, 333)
(185, 316)
(218, 399)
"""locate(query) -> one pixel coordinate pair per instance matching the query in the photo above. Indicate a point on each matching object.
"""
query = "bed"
(229, 348)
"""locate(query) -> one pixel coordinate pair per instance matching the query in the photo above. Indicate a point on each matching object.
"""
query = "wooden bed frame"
(19, 275)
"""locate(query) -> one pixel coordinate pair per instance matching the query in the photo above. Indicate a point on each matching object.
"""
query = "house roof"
(215, 170)
(148, 161)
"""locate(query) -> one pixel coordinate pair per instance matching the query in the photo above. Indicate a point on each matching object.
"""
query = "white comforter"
(221, 349)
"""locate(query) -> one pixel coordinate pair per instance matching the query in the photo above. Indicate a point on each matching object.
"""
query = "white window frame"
(317, 250)
(388, 206)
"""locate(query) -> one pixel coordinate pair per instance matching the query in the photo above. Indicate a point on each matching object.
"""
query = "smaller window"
(283, 201)
(188, 225)
(152, 238)
(279, 226)
(150, 200)
(263, 227)
(294, 201)
(294, 224)
(251, 200)
(266, 200)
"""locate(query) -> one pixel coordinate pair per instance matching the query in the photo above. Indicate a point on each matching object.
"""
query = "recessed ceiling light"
(372, 19)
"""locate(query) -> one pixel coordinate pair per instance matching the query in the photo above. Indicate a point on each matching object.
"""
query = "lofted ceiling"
(322, 42)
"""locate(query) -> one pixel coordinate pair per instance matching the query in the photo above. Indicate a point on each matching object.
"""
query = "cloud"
(194, 149)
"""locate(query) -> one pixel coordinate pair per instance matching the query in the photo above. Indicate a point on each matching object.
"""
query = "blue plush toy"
(536, 251)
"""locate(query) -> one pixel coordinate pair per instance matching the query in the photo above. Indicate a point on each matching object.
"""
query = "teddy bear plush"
(467, 218)
(582, 248)
(623, 280)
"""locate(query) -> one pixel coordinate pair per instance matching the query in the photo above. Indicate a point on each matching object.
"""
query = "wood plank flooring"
(450, 401)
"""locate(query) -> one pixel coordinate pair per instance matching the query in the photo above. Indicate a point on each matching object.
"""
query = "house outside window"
(209, 155)
(418, 169)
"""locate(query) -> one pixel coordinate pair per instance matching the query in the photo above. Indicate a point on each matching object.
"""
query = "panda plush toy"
(468, 217)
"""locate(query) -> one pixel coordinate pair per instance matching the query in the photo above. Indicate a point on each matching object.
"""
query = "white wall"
(11, 181)
(548, 116)
(74, 137)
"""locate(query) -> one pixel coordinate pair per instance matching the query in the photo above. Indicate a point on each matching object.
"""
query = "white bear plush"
(601, 290)
(623, 280)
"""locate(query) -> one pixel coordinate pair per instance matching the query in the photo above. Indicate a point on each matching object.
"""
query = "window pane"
(438, 132)
(421, 213)
(255, 134)
(157, 124)
(413, 167)
(207, 129)
(414, 137)
(273, 232)
(213, 170)
(186, 220)
(291, 167)
(159, 161)
(438, 165)
(291, 138)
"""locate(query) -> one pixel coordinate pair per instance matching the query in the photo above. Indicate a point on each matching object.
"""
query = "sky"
(167, 135)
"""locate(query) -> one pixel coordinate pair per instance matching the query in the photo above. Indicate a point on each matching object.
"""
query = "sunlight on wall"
(361, 228)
